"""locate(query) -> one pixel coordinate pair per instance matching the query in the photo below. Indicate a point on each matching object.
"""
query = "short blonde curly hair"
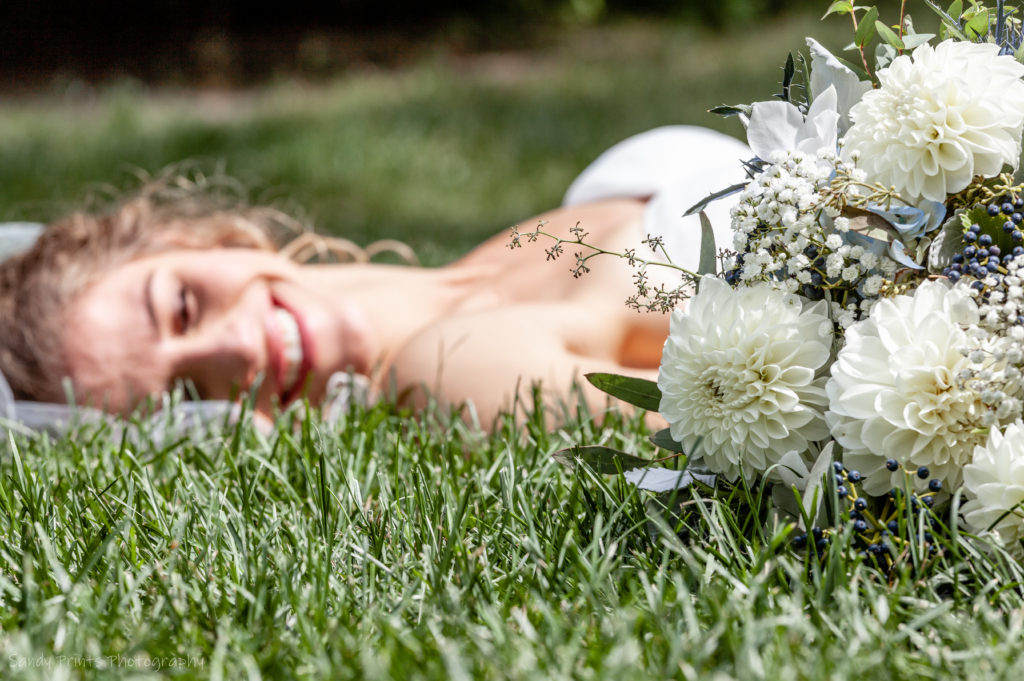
(38, 286)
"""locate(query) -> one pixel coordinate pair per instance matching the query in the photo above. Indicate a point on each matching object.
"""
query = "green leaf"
(636, 391)
(663, 439)
(708, 251)
(916, 40)
(866, 28)
(951, 25)
(955, 11)
(731, 110)
(787, 76)
(603, 460)
(884, 54)
(889, 35)
(977, 25)
(839, 7)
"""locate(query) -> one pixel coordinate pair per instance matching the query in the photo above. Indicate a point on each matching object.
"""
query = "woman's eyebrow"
(147, 296)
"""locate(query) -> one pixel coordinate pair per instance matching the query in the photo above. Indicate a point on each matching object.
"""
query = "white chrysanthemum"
(893, 392)
(740, 373)
(995, 482)
(952, 112)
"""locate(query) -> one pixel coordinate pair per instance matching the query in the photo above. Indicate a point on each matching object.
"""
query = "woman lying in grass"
(128, 303)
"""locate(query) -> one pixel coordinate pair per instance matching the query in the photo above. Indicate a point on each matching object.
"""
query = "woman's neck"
(393, 301)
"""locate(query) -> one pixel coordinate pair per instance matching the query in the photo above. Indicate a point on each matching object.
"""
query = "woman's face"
(218, 318)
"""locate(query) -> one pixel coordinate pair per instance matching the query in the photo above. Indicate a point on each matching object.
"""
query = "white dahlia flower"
(949, 113)
(995, 482)
(740, 373)
(893, 392)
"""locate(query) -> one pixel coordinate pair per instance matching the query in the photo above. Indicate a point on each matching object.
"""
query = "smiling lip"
(290, 391)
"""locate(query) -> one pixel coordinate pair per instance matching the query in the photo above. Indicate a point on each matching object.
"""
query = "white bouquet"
(868, 320)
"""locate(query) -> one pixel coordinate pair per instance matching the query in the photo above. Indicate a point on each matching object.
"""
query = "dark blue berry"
(892, 464)
(1007, 208)
(977, 285)
(992, 266)
(954, 276)
(958, 258)
(838, 467)
(993, 209)
(969, 237)
(923, 472)
(893, 526)
(985, 240)
(817, 533)
(860, 504)
(928, 501)
(971, 251)
(976, 228)
(1018, 203)
(854, 477)
(935, 485)
(1017, 235)
(994, 250)
(842, 491)
(1018, 250)
(1017, 218)
(860, 526)
(800, 541)
(822, 544)
(839, 480)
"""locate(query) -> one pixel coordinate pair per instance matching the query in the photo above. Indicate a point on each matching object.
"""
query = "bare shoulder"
(489, 357)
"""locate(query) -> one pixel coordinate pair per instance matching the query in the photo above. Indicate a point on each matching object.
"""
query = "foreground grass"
(392, 547)
(442, 154)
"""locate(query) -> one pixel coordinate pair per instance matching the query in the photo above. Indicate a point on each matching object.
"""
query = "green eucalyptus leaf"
(664, 439)
(884, 54)
(916, 40)
(708, 251)
(604, 460)
(889, 35)
(839, 7)
(636, 391)
(866, 28)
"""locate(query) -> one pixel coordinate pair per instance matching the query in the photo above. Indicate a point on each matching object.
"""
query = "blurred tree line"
(242, 40)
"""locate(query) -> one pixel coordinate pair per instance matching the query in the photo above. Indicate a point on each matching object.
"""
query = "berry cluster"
(987, 250)
(879, 535)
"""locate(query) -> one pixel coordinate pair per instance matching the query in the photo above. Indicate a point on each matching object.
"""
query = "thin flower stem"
(600, 251)
(903, 14)
(863, 57)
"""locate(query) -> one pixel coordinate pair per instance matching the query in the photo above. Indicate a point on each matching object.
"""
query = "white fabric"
(676, 166)
(16, 237)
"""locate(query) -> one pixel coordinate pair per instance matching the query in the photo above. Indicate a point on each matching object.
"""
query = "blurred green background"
(439, 132)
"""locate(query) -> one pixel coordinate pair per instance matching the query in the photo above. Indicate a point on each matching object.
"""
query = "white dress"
(676, 166)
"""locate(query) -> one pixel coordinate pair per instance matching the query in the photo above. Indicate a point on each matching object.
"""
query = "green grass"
(387, 546)
(390, 547)
(441, 154)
